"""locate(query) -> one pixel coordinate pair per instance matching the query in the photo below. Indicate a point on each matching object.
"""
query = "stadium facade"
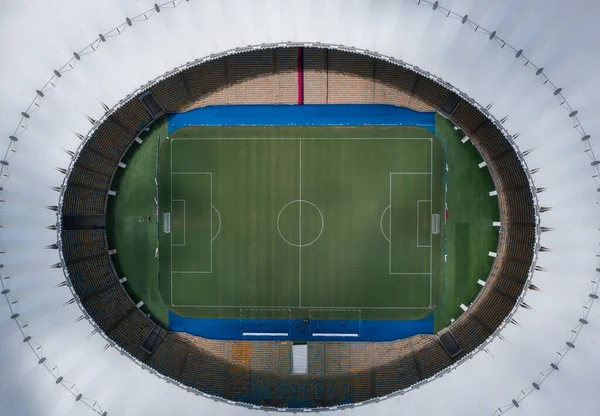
(511, 59)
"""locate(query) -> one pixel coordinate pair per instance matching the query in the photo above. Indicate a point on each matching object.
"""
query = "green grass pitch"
(468, 232)
(315, 220)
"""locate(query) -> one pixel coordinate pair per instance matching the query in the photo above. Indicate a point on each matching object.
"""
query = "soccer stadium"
(264, 206)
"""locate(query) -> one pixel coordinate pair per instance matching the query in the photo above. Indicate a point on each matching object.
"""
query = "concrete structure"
(532, 64)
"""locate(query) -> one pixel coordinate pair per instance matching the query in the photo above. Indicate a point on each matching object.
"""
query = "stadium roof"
(477, 54)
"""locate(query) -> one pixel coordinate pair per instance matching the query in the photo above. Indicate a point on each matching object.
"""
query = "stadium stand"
(315, 76)
(286, 68)
(252, 81)
(110, 140)
(428, 96)
(207, 83)
(133, 116)
(83, 201)
(81, 244)
(94, 161)
(169, 94)
(260, 372)
(350, 78)
(89, 178)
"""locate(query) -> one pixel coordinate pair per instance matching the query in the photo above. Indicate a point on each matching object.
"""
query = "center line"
(300, 232)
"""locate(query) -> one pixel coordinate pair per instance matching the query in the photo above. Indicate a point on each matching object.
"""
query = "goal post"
(167, 222)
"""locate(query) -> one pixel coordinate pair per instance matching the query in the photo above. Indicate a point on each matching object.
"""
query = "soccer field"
(320, 227)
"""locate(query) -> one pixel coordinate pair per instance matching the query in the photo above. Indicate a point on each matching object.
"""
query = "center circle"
(300, 223)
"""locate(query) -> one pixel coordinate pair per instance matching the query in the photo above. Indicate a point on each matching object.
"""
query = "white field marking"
(430, 214)
(390, 230)
(211, 232)
(219, 230)
(289, 311)
(320, 232)
(211, 222)
(421, 245)
(191, 173)
(314, 138)
(171, 201)
(336, 310)
(300, 229)
(296, 307)
(311, 310)
(381, 224)
(180, 245)
(410, 173)
(211, 199)
(304, 138)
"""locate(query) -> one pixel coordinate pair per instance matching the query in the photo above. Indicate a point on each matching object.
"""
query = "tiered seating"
(204, 372)
(406, 82)
(83, 201)
(316, 359)
(252, 78)
(386, 85)
(260, 372)
(428, 95)
(168, 358)
(264, 356)
(82, 176)
(517, 205)
(92, 275)
(507, 286)
(491, 307)
(284, 354)
(360, 371)
(239, 383)
(241, 353)
(430, 354)
(517, 248)
(337, 358)
(467, 117)
(508, 171)
(170, 93)
(130, 333)
(515, 269)
(468, 332)
(490, 141)
(133, 115)
(286, 68)
(395, 368)
(315, 76)
(110, 140)
(109, 306)
(208, 84)
(96, 162)
(78, 244)
(350, 78)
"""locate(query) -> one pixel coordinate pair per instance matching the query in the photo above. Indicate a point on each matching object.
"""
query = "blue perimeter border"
(367, 330)
(301, 115)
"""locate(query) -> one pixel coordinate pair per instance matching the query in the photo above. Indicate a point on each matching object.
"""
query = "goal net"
(435, 224)
(167, 222)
